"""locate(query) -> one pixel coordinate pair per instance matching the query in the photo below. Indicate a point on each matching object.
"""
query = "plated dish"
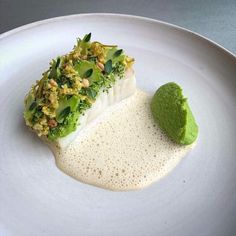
(198, 192)
(81, 85)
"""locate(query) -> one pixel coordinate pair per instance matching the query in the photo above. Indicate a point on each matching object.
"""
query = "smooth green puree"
(171, 111)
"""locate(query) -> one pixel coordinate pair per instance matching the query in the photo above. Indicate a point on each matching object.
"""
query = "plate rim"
(35, 24)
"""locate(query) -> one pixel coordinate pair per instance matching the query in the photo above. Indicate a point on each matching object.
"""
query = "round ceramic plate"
(197, 198)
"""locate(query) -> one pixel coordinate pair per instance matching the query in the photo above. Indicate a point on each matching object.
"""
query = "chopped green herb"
(108, 66)
(91, 93)
(32, 106)
(88, 73)
(87, 37)
(63, 114)
(58, 62)
(55, 71)
(118, 52)
(62, 80)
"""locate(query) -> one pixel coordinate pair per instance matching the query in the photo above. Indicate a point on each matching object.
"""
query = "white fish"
(122, 89)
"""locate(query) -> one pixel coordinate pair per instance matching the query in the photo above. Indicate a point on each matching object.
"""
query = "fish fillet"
(122, 89)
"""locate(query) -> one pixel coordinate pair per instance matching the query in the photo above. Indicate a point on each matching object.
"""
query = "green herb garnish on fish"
(55, 104)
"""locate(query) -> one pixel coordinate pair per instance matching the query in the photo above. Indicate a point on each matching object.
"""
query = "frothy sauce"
(123, 149)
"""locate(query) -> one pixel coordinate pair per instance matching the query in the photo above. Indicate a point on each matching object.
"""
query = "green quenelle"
(171, 111)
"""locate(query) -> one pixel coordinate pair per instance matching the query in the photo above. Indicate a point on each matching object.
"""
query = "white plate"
(197, 198)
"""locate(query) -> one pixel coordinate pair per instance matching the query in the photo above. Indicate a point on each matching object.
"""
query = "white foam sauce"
(123, 149)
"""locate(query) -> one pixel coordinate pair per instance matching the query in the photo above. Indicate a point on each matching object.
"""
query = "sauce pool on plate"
(123, 149)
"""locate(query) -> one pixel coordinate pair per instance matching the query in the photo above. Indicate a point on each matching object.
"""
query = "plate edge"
(59, 18)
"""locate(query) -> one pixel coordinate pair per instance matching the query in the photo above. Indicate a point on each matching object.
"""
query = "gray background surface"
(213, 19)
